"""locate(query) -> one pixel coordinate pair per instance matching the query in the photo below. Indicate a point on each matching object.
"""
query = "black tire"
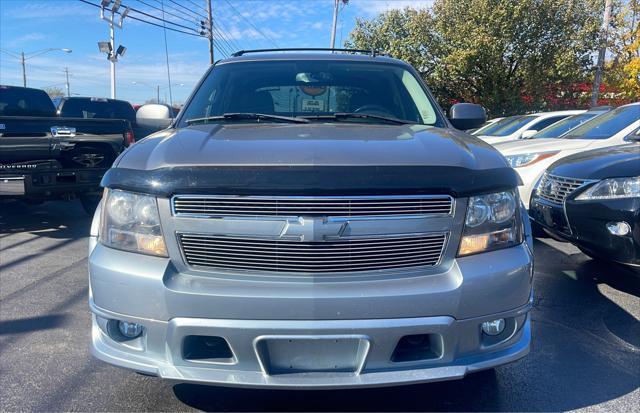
(90, 203)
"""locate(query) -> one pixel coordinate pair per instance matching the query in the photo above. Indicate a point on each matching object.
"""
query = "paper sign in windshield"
(310, 105)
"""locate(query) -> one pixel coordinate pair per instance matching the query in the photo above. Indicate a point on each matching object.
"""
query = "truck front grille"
(311, 257)
(555, 189)
(227, 206)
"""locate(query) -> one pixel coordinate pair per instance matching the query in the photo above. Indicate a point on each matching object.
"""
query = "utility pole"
(157, 93)
(22, 57)
(602, 52)
(66, 72)
(335, 23)
(210, 27)
(24, 69)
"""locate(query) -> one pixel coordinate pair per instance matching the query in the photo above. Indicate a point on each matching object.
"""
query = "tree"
(54, 92)
(622, 72)
(507, 55)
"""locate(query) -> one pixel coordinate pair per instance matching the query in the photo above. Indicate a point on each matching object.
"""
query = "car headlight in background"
(492, 222)
(526, 159)
(612, 188)
(131, 222)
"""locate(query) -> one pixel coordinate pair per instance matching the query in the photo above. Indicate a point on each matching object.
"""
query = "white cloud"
(372, 8)
(50, 9)
(26, 38)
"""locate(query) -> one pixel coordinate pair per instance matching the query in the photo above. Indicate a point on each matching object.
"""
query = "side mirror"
(154, 116)
(465, 116)
(528, 134)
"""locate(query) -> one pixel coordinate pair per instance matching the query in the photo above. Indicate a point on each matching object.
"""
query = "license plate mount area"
(312, 354)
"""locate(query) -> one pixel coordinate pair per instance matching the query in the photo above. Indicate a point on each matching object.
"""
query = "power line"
(187, 9)
(236, 44)
(190, 19)
(146, 21)
(196, 5)
(251, 24)
(162, 20)
(167, 6)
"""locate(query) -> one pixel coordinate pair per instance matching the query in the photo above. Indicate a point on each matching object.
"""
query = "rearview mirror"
(528, 134)
(465, 116)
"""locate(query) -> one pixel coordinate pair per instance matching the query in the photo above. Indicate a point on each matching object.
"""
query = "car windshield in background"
(322, 91)
(606, 125)
(507, 128)
(92, 108)
(25, 102)
(558, 129)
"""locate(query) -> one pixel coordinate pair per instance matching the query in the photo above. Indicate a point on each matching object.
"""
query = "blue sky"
(31, 25)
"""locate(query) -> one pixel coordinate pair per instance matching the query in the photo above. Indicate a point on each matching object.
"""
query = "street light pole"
(335, 23)
(24, 69)
(66, 72)
(112, 33)
(602, 52)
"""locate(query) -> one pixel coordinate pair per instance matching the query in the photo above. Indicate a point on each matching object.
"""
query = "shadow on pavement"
(56, 219)
(584, 352)
(31, 324)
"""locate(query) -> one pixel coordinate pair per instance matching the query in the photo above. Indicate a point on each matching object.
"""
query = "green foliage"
(54, 92)
(503, 54)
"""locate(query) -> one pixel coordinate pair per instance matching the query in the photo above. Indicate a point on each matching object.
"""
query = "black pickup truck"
(44, 157)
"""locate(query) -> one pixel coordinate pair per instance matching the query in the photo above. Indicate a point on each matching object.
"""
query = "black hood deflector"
(312, 180)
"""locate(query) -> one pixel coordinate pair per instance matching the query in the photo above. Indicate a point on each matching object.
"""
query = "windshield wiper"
(246, 116)
(341, 115)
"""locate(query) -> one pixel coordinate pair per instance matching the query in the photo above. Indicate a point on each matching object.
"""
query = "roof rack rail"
(372, 52)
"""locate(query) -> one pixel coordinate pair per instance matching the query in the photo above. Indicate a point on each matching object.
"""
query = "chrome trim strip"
(450, 199)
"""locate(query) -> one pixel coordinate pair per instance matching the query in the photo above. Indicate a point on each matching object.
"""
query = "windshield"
(507, 126)
(308, 88)
(606, 125)
(89, 108)
(558, 129)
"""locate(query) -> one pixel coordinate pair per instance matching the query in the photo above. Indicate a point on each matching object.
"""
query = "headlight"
(612, 188)
(131, 222)
(492, 222)
(526, 159)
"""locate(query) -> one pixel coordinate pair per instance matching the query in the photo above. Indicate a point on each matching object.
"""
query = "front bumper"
(159, 352)
(585, 225)
(448, 307)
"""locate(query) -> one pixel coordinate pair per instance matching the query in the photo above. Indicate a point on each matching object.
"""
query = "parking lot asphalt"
(585, 352)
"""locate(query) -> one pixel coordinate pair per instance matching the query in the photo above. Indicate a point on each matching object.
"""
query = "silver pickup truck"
(311, 220)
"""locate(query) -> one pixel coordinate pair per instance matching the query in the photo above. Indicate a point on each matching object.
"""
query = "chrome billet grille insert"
(555, 189)
(311, 257)
(233, 206)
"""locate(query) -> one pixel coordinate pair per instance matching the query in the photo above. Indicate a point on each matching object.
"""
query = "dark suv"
(311, 221)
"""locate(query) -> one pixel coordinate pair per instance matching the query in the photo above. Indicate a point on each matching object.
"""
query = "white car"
(532, 157)
(517, 127)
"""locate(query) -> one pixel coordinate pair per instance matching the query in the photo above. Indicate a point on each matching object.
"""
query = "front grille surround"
(225, 206)
(556, 189)
(206, 251)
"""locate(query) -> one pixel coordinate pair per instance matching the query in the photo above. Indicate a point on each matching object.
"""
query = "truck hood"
(523, 146)
(310, 145)
(311, 158)
(611, 162)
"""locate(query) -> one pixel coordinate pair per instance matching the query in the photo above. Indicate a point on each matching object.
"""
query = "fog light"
(618, 228)
(129, 330)
(493, 328)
